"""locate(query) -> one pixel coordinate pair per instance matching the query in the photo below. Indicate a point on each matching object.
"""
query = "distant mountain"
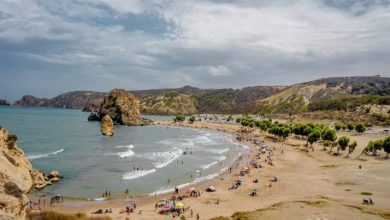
(256, 99)
(29, 100)
(4, 102)
(296, 98)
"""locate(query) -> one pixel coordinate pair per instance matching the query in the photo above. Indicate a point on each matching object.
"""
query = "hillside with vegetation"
(328, 94)
(171, 103)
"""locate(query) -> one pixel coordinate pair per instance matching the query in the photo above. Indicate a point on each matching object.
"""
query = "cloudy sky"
(48, 47)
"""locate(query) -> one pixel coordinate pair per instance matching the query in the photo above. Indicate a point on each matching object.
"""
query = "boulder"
(53, 173)
(107, 126)
(122, 107)
(54, 180)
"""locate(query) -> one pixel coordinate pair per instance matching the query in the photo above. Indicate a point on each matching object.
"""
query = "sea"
(145, 160)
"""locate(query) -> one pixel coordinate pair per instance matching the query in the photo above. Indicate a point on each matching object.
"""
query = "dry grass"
(366, 193)
(50, 215)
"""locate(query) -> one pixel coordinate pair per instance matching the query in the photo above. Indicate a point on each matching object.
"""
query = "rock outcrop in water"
(17, 177)
(30, 100)
(107, 126)
(121, 106)
(4, 102)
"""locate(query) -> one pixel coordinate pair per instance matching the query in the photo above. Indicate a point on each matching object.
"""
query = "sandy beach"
(311, 184)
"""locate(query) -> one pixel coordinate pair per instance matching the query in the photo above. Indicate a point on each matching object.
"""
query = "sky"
(48, 47)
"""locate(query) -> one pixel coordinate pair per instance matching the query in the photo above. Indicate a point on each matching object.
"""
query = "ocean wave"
(218, 151)
(37, 156)
(137, 173)
(221, 158)
(167, 158)
(205, 167)
(130, 146)
(196, 181)
(127, 153)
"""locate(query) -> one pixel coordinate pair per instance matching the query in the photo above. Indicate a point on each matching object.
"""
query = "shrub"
(360, 127)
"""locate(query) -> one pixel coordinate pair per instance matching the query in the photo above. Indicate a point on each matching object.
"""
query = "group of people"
(106, 194)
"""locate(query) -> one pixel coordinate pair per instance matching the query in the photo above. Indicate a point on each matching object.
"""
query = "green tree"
(377, 145)
(179, 118)
(360, 127)
(314, 136)
(337, 126)
(191, 119)
(342, 143)
(386, 146)
(351, 147)
(350, 126)
(285, 132)
(329, 136)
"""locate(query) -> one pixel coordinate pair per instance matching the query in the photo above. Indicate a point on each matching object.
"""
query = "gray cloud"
(49, 47)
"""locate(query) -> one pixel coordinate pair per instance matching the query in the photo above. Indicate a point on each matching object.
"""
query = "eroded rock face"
(121, 106)
(107, 126)
(17, 177)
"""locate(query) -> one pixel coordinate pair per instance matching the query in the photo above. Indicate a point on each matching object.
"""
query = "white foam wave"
(205, 167)
(218, 151)
(137, 173)
(37, 156)
(167, 158)
(196, 181)
(221, 158)
(127, 153)
(125, 146)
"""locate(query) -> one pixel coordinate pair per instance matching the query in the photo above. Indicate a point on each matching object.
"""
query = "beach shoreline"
(304, 178)
(82, 203)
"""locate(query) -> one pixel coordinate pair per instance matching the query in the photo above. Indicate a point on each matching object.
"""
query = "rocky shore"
(18, 177)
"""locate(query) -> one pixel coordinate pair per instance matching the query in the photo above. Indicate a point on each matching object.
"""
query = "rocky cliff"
(4, 102)
(121, 106)
(17, 177)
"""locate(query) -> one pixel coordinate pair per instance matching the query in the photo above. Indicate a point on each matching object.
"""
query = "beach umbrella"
(179, 204)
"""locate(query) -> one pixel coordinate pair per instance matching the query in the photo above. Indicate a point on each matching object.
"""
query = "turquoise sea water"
(141, 159)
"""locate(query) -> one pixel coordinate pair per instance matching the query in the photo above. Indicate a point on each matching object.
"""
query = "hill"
(297, 98)
(171, 103)
(337, 93)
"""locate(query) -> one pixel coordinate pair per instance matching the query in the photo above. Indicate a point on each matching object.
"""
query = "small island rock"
(107, 126)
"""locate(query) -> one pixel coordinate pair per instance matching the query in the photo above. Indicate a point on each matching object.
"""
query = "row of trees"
(359, 127)
(311, 132)
(182, 118)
